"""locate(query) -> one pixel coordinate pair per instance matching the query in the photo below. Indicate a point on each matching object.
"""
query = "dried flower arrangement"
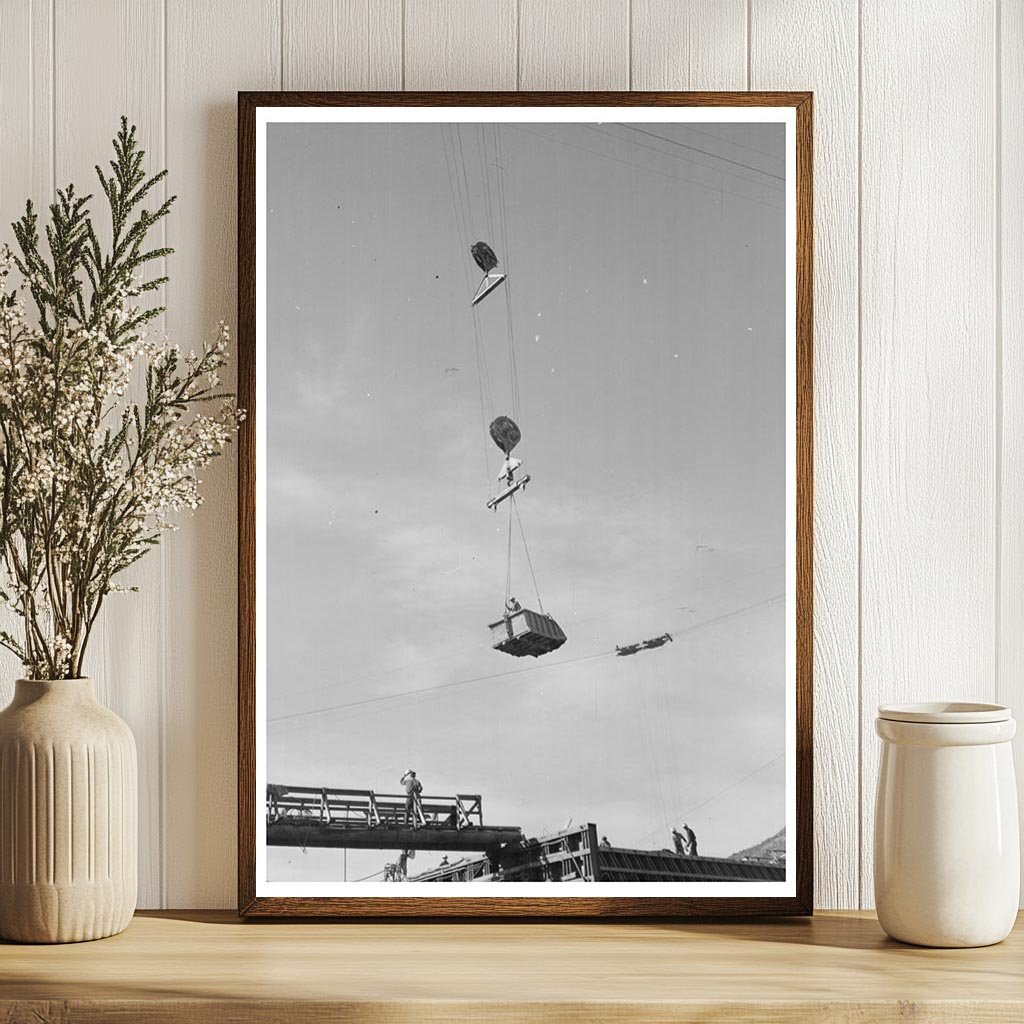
(90, 476)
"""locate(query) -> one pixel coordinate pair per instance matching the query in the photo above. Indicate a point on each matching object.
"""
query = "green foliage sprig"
(90, 477)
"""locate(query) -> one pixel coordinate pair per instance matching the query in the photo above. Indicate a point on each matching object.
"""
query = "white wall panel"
(468, 45)
(574, 44)
(213, 50)
(814, 46)
(689, 44)
(928, 369)
(26, 107)
(26, 161)
(919, 310)
(1010, 319)
(342, 44)
(127, 665)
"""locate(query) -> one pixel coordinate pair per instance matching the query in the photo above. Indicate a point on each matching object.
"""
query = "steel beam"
(472, 839)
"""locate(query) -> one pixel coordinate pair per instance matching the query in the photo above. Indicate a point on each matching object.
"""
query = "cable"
(513, 362)
(684, 159)
(460, 208)
(487, 182)
(653, 602)
(676, 633)
(649, 743)
(738, 145)
(715, 156)
(508, 562)
(529, 561)
(486, 398)
(644, 167)
(366, 878)
(431, 689)
(715, 796)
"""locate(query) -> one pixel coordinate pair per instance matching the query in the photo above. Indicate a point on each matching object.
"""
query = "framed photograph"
(525, 504)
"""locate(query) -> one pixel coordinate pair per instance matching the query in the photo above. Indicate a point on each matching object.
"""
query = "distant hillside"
(771, 850)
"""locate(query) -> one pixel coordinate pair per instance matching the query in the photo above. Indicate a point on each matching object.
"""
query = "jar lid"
(945, 712)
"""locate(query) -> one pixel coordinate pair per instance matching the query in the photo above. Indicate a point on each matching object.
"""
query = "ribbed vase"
(68, 815)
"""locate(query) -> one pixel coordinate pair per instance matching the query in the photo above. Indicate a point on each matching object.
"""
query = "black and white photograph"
(525, 503)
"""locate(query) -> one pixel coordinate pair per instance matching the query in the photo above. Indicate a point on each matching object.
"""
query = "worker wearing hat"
(413, 788)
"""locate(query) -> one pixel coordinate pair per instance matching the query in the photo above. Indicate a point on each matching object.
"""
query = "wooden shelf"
(204, 967)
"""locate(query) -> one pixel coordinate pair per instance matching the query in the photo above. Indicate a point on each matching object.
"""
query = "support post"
(595, 851)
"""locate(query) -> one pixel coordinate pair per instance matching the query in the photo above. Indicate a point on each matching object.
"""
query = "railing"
(363, 808)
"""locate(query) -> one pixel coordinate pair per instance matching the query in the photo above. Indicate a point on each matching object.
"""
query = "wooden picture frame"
(251, 807)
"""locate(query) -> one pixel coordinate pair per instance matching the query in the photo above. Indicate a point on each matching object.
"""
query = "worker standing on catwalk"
(413, 789)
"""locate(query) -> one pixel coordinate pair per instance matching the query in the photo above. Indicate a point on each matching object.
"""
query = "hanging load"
(513, 486)
(524, 633)
(506, 434)
(520, 631)
(483, 256)
(643, 645)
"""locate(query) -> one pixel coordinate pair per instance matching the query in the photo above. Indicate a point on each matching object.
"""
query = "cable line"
(662, 598)
(431, 689)
(715, 156)
(715, 796)
(508, 561)
(487, 182)
(643, 167)
(462, 212)
(529, 560)
(513, 363)
(684, 159)
(516, 671)
(366, 878)
(738, 145)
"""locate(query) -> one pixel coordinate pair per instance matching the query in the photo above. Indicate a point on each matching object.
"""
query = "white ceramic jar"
(947, 847)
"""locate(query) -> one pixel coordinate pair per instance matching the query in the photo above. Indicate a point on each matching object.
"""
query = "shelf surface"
(200, 966)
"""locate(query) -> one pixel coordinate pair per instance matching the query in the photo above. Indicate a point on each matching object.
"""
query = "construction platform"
(577, 856)
(360, 819)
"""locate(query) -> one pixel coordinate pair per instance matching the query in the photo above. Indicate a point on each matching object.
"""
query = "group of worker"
(685, 841)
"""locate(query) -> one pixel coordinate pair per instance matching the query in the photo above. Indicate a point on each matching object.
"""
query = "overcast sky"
(646, 287)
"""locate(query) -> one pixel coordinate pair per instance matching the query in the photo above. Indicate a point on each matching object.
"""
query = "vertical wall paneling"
(928, 544)
(26, 107)
(213, 51)
(1010, 239)
(814, 46)
(574, 44)
(689, 44)
(123, 659)
(26, 164)
(342, 44)
(468, 45)
(919, 314)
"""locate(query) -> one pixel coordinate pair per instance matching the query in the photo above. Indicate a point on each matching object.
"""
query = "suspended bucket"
(526, 633)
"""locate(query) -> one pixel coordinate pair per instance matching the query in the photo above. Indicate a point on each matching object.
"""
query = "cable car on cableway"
(525, 633)
(521, 632)
(484, 257)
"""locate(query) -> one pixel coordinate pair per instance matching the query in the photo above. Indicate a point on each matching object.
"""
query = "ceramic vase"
(68, 815)
(947, 847)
